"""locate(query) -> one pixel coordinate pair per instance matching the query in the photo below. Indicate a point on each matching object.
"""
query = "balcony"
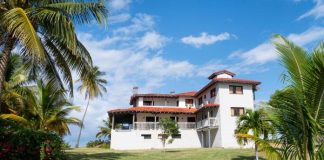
(212, 122)
(156, 126)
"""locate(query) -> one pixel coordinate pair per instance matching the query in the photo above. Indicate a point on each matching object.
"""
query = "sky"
(167, 45)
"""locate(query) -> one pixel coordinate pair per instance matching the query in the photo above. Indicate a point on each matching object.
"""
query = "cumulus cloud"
(266, 52)
(119, 4)
(205, 39)
(316, 12)
(141, 22)
(123, 17)
(152, 40)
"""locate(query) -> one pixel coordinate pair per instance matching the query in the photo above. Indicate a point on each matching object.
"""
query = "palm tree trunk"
(85, 112)
(256, 152)
(4, 60)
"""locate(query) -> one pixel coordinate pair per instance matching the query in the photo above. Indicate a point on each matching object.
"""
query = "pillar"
(113, 122)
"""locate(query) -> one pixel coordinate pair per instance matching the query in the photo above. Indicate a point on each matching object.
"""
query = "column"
(209, 145)
(155, 121)
(202, 139)
(113, 122)
(134, 121)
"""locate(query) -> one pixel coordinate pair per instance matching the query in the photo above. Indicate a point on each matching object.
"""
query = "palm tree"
(49, 109)
(105, 130)
(44, 33)
(93, 86)
(254, 122)
(298, 110)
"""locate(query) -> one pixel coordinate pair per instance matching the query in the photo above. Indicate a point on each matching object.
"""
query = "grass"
(175, 154)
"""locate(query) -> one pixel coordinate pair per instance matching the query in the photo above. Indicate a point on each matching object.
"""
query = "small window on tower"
(148, 103)
(235, 89)
(237, 111)
(213, 92)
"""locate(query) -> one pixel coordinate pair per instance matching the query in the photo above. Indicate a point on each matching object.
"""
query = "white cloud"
(266, 52)
(205, 39)
(141, 22)
(123, 17)
(316, 12)
(119, 4)
(152, 40)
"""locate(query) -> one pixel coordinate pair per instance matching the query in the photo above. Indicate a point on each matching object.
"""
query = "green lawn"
(175, 154)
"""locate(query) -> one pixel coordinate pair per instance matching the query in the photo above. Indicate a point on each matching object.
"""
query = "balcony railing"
(208, 122)
(152, 125)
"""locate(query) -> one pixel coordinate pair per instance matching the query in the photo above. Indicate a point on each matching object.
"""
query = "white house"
(206, 118)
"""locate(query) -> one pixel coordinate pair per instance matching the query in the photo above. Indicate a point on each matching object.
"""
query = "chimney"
(172, 92)
(135, 90)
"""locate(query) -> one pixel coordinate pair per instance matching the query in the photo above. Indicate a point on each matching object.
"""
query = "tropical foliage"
(169, 127)
(43, 32)
(297, 111)
(93, 85)
(253, 124)
(104, 131)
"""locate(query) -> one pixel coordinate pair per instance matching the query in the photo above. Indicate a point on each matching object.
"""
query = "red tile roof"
(221, 72)
(155, 110)
(230, 80)
(149, 109)
(187, 94)
(158, 95)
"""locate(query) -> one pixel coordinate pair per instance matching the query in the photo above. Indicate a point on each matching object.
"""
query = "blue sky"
(167, 45)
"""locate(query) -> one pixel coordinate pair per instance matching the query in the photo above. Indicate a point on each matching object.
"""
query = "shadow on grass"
(172, 151)
(99, 156)
(246, 158)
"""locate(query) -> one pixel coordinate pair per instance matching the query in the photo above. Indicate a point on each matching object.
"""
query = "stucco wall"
(125, 140)
(228, 122)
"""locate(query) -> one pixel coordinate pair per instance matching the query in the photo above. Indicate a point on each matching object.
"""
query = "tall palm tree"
(50, 108)
(298, 110)
(93, 85)
(44, 33)
(105, 130)
(255, 122)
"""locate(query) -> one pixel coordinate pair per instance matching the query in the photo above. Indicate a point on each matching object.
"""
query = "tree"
(298, 109)
(105, 130)
(169, 128)
(254, 122)
(44, 33)
(49, 109)
(93, 86)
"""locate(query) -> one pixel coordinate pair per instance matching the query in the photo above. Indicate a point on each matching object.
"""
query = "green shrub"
(98, 144)
(17, 142)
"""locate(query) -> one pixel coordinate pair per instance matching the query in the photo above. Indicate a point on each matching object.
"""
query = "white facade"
(210, 120)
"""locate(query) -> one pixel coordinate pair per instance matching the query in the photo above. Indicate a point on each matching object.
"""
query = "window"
(177, 103)
(200, 101)
(205, 96)
(189, 102)
(146, 136)
(237, 111)
(174, 118)
(191, 119)
(149, 119)
(235, 89)
(213, 92)
(148, 103)
(176, 136)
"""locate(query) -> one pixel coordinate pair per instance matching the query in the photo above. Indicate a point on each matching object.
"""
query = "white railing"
(186, 125)
(145, 125)
(152, 125)
(209, 122)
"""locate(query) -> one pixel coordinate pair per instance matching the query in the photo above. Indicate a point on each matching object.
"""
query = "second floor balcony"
(212, 122)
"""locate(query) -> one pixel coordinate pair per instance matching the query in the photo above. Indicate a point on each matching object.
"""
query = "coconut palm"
(44, 33)
(93, 85)
(253, 124)
(298, 110)
(105, 130)
(49, 109)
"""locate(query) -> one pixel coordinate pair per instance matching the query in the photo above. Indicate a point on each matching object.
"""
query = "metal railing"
(208, 122)
(152, 125)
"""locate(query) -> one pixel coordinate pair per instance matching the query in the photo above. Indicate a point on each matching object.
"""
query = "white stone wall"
(128, 140)
(208, 98)
(228, 122)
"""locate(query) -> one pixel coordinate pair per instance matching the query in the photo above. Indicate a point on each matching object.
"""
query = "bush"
(17, 142)
(66, 145)
(98, 144)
